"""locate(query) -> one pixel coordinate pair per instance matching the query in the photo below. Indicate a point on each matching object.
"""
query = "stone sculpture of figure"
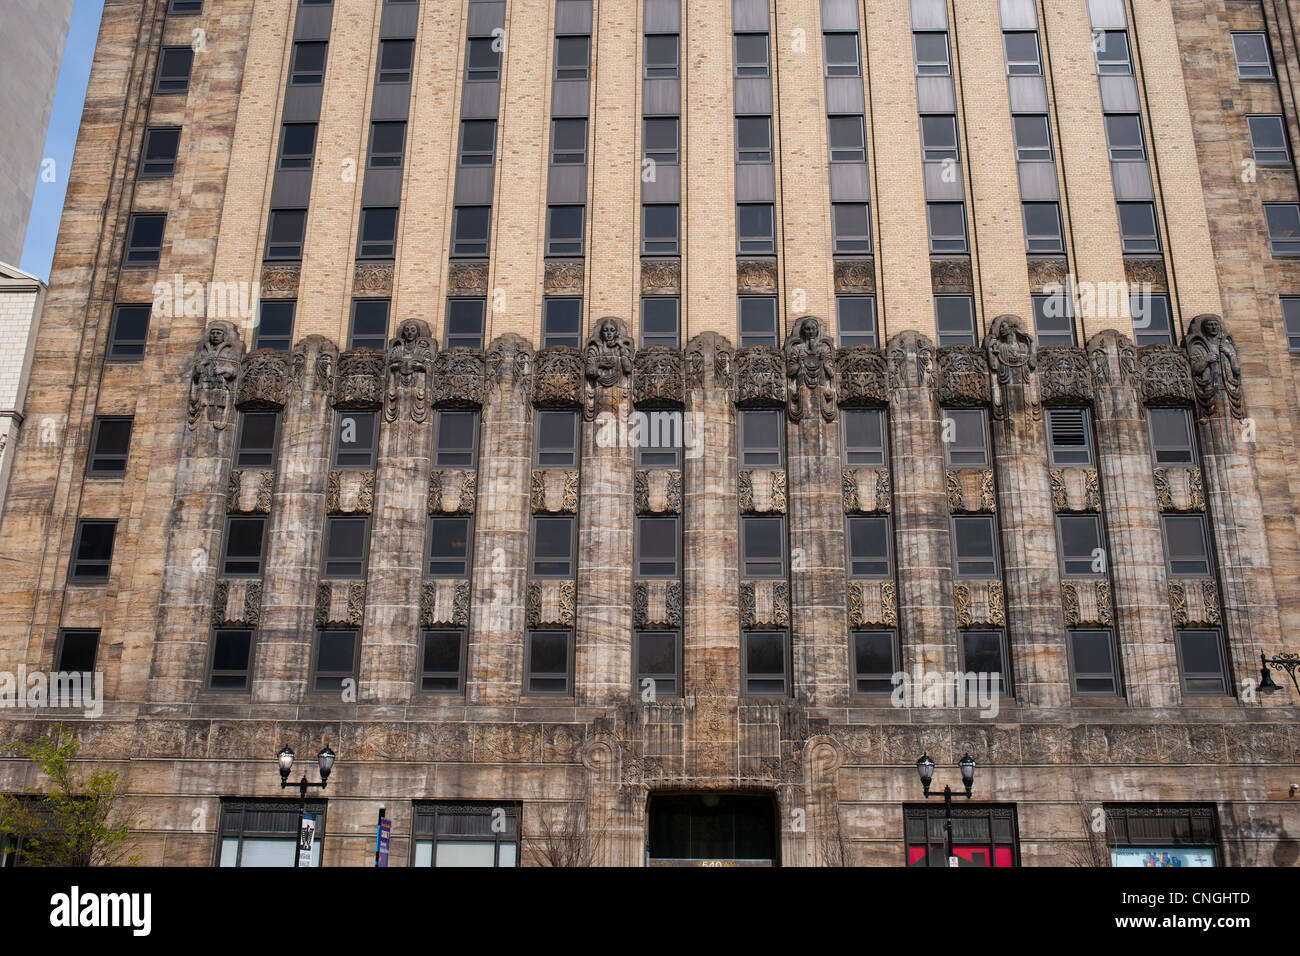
(608, 359)
(810, 368)
(1215, 366)
(215, 375)
(410, 363)
(1010, 351)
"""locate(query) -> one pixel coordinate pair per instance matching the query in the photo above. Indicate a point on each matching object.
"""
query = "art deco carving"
(1147, 272)
(1216, 371)
(544, 503)
(351, 614)
(410, 367)
(509, 362)
(1086, 602)
(214, 377)
(968, 613)
(315, 374)
(467, 495)
(265, 380)
(873, 603)
(551, 603)
(1194, 602)
(1066, 494)
(372, 278)
(564, 277)
(1113, 358)
(365, 492)
(863, 377)
(1064, 375)
(1191, 493)
(855, 276)
(776, 487)
(280, 281)
(607, 361)
(359, 380)
(710, 361)
(671, 491)
(435, 611)
(661, 277)
(755, 615)
(459, 378)
(250, 613)
(235, 492)
(658, 380)
(467, 278)
(557, 377)
(1164, 376)
(671, 617)
(853, 503)
(911, 360)
(232, 491)
(760, 376)
(1009, 350)
(1046, 271)
(951, 276)
(961, 485)
(810, 371)
(755, 276)
(963, 376)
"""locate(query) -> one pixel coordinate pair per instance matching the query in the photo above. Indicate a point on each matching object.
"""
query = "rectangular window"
(661, 139)
(337, 652)
(875, 661)
(1146, 834)
(855, 317)
(766, 663)
(553, 547)
(378, 233)
(478, 139)
(1033, 136)
(456, 441)
(448, 546)
(947, 227)
(981, 836)
(842, 54)
(174, 66)
(865, 442)
(1053, 321)
(76, 652)
(1137, 228)
(1111, 49)
(442, 662)
(185, 6)
(661, 56)
(284, 233)
(550, 663)
(1187, 545)
(483, 59)
(161, 146)
(466, 834)
(758, 325)
(1069, 441)
(1268, 140)
(658, 548)
(1083, 554)
(557, 439)
(939, 138)
(761, 438)
(852, 227)
(954, 319)
(753, 139)
(568, 142)
(297, 145)
(110, 443)
(985, 652)
(848, 143)
(145, 238)
(387, 145)
(870, 548)
(469, 231)
(974, 546)
(1124, 137)
(564, 230)
(231, 662)
(347, 541)
(660, 322)
(1021, 49)
(308, 66)
(931, 50)
(1043, 228)
(966, 437)
(755, 228)
(274, 328)
(258, 438)
(1283, 220)
(1172, 441)
(658, 663)
(1094, 665)
(1251, 53)
(465, 323)
(265, 832)
(356, 439)
(1202, 661)
(762, 546)
(1151, 321)
(92, 552)
(369, 324)
(561, 322)
(572, 57)
(662, 445)
(752, 54)
(1291, 319)
(659, 229)
(127, 336)
(245, 547)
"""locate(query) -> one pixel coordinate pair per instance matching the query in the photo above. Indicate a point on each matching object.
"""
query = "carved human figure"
(608, 359)
(1215, 364)
(410, 362)
(810, 367)
(215, 375)
(1010, 351)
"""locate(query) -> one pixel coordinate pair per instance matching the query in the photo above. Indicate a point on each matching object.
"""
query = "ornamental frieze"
(1164, 376)
(409, 370)
(1086, 602)
(264, 383)
(557, 377)
(911, 360)
(1216, 370)
(760, 376)
(755, 276)
(350, 492)
(762, 491)
(811, 372)
(280, 281)
(855, 276)
(607, 362)
(658, 378)
(661, 277)
(963, 376)
(1064, 375)
(555, 491)
(249, 492)
(467, 278)
(214, 376)
(372, 279)
(359, 379)
(863, 377)
(979, 603)
(1075, 489)
(710, 361)
(764, 604)
(459, 378)
(563, 277)
(444, 603)
(657, 604)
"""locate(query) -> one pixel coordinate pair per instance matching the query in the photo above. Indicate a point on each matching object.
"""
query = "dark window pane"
(231, 659)
(145, 238)
(355, 440)
(659, 322)
(965, 436)
(764, 544)
(258, 432)
(160, 149)
(572, 55)
(553, 547)
(284, 233)
(1082, 554)
(335, 658)
(864, 437)
(345, 547)
(174, 66)
(758, 321)
(130, 329)
(564, 230)
(77, 652)
(974, 547)
(470, 230)
(557, 438)
(1171, 436)
(874, 662)
(661, 55)
(274, 324)
(482, 61)
(449, 547)
(465, 319)
(869, 547)
(760, 438)
(308, 64)
(395, 59)
(440, 667)
(110, 446)
(457, 439)
(478, 142)
(244, 542)
(657, 543)
(548, 662)
(982, 654)
(387, 144)
(369, 324)
(93, 550)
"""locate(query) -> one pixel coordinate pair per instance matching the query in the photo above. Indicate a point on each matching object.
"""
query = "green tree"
(80, 820)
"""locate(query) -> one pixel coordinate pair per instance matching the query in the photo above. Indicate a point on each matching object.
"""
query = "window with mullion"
(1082, 548)
(658, 547)
(1173, 439)
(259, 434)
(244, 549)
(1187, 546)
(1069, 437)
(974, 546)
(1094, 662)
(455, 443)
(347, 541)
(448, 546)
(110, 444)
(866, 444)
(297, 145)
(870, 546)
(442, 662)
(875, 661)
(230, 662)
(549, 665)
(762, 542)
(766, 663)
(658, 661)
(336, 658)
(92, 551)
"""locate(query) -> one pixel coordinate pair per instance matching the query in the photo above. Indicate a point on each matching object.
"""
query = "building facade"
(640, 432)
(21, 299)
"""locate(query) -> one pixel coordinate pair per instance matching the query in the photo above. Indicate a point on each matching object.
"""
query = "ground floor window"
(466, 834)
(265, 832)
(982, 835)
(1170, 834)
(691, 829)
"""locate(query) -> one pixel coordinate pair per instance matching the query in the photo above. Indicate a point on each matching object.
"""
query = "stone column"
(284, 638)
(198, 509)
(818, 584)
(1144, 626)
(495, 655)
(1035, 623)
(391, 634)
(927, 623)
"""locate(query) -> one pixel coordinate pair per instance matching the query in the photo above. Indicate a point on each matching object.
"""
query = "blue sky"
(47, 205)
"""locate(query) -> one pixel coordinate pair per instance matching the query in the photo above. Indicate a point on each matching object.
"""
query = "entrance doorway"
(718, 829)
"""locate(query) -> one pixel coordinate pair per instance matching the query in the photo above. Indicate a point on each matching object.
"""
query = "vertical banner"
(382, 834)
(306, 837)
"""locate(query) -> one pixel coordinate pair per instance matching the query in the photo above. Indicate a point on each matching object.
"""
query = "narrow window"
(557, 439)
(1283, 220)
(763, 547)
(659, 229)
(442, 662)
(658, 663)
(760, 438)
(1068, 438)
(478, 142)
(456, 441)
(297, 145)
(752, 56)
(755, 228)
(92, 552)
(1083, 554)
(378, 233)
(851, 223)
(865, 443)
(561, 322)
(346, 543)
(931, 50)
(1137, 227)
(284, 233)
(109, 445)
(1043, 228)
(258, 434)
(356, 439)
(1094, 665)
(174, 65)
(76, 652)
(660, 322)
(1172, 441)
(232, 659)
(1251, 53)
(469, 230)
(245, 547)
(308, 66)
(947, 227)
(387, 145)
(336, 659)
(954, 318)
(966, 437)
(145, 238)
(1203, 661)
(449, 546)
(1268, 141)
(572, 57)
(553, 547)
(369, 324)
(758, 325)
(550, 663)
(870, 550)
(658, 548)
(564, 230)
(465, 323)
(126, 338)
(875, 661)
(766, 663)
(1187, 545)
(568, 142)
(275, 324)
(661, 56)
(158, 158)
(974, 546)
(1151, 320)
(855, 316)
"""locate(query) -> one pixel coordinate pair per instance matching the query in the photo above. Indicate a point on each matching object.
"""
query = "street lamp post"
(1290, 663)
(285, 758)
(925, 767)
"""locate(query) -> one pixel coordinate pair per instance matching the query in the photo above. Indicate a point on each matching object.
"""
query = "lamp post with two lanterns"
(925, 767)
(326, 760)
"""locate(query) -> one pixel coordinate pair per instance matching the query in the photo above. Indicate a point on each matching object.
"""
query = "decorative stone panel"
(340, 603)
(657, 604)
(372, 279)
(764, 604)
(1146, 271)
(911, 360)
(444, 603)
(264, 383)
(1075, 489)
(756, 276)
(963, 376)
(564, 277)
(710, 361)
(979, 603)
(864, 378)
(459, 378)
(873, 604)
(1064, 375)
(971, 491)
(658, 378)
(1194, 602)
(555, 491)
(453, 492)
(1087, 603)
(658, 491)
(359, 379)
(1179, 489)
(214, 376)
(467, 278)
(811, 372)
(550, 604)
(1046, 271)
(760, 376)
(661, 276)
(1164, 376)
(557, 377)
(855, 276)
(1216, 367)
(762, 491)
(249, 492)
(280, 281)
(867, 491)
(951, 276)
(237, 603)
(350, 492)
